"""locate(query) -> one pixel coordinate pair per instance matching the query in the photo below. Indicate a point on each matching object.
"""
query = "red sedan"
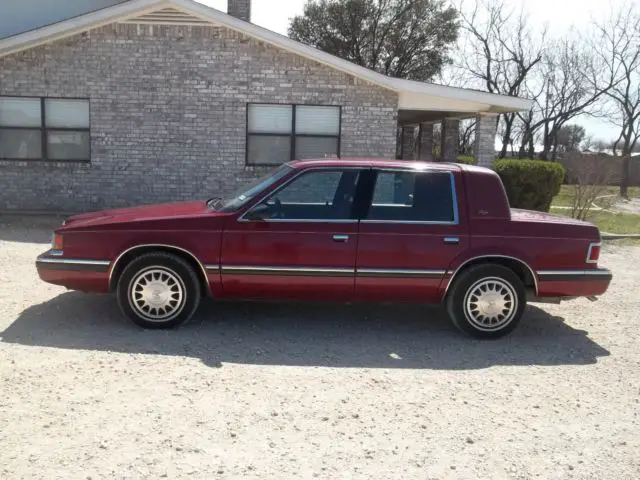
(336, 230)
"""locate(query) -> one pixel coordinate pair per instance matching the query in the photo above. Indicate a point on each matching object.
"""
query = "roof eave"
(406, 88)
(72, 26)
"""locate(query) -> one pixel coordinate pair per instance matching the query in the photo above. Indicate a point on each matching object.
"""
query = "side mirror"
(258, 213)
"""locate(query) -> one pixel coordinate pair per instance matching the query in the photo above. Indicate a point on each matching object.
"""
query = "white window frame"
(293, 135)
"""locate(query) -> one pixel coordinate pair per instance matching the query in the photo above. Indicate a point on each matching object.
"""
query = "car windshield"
(246, 194)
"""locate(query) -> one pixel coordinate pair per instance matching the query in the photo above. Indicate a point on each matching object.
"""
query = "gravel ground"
(628, 206)
(311, 391)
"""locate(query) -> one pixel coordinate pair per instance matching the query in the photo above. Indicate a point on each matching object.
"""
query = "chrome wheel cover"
(490, 304)
(157, 294)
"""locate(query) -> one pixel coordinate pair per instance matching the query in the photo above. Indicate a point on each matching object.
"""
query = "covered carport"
(423, 105)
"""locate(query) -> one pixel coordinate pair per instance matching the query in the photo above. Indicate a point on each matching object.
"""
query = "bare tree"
(588, 142)
(566, 83)
(617, 44)
(601, 146)
(570, 138)
(500, 50)
(466, 137)
(591, 177)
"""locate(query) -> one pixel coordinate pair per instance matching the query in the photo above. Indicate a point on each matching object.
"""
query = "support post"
(485, 145)
(426, 142)
(450, 133)
(408, 142)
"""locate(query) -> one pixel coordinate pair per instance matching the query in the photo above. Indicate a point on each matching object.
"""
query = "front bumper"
(74, 273)
(55, 260)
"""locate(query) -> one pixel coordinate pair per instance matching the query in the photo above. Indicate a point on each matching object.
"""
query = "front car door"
(414, 228)
(298, 242)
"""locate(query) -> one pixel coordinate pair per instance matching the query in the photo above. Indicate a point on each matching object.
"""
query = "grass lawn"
(566, 192)
(608, 221)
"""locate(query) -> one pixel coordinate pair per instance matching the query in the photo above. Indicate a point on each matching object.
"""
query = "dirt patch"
(251, 390)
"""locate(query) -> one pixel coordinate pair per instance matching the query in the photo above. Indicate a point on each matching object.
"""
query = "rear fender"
(474, 257)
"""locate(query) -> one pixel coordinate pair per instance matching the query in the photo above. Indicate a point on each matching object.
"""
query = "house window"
(49, 129)
(280, 133)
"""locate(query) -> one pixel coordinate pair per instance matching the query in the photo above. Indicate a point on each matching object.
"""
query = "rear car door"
(412, 230)
(299, 242)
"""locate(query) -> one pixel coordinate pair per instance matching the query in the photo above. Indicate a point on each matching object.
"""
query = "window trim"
(293, 135)
(44, 130)
(266, 195)
(454, 198)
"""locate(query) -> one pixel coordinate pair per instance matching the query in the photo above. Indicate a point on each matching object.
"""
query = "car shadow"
(327, 335)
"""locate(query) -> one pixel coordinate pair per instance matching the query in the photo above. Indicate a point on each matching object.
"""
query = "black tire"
(472, 320)
(178, 291)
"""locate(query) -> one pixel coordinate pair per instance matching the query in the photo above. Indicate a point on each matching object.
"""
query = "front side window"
(405, 196)
(51, 129)
(280, 133)
(248, 193)
(321, 195)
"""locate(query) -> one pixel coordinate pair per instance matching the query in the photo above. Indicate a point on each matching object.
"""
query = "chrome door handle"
(451, 240)
(341, 238)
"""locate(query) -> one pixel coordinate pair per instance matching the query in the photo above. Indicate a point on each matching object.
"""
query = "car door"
(299, 242)
(411, 232)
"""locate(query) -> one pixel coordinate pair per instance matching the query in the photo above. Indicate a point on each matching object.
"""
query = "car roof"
(374, 163)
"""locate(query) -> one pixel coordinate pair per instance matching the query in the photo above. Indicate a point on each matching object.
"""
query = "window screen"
(280, 133)
(53, 129)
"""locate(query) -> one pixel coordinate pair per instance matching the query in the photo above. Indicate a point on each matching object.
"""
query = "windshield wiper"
(212, 202)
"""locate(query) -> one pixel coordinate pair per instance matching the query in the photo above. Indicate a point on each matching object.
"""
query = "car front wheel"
(486, 301)
(158, 290)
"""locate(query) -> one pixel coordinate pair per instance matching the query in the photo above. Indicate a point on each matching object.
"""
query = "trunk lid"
(547, 224)
(518, 215)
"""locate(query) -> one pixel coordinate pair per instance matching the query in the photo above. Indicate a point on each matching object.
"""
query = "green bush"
(467, 160)
(530, 184)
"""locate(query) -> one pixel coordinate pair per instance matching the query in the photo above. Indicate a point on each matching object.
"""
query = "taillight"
(56, 242)
(593, 253)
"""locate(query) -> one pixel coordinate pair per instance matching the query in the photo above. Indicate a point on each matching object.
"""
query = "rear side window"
(413, 197)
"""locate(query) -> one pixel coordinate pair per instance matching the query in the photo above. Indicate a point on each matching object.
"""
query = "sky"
(558, 15)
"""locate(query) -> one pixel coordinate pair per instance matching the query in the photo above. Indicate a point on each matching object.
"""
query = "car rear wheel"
(158, 290)
(486, 301)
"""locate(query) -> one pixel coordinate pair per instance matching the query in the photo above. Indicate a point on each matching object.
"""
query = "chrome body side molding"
(52, 260)
(331, 272)
(397, 273)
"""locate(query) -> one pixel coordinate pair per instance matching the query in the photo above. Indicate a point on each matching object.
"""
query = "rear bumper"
(573, 283)
(75, 274)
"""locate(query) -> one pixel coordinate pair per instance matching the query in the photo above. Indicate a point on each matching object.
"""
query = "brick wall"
(168, 113)
(240, 9)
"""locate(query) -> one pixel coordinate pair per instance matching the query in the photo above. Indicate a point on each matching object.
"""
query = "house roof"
(412, 95)
(24, 15)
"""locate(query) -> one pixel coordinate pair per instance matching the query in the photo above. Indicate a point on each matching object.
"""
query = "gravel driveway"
(312, 391)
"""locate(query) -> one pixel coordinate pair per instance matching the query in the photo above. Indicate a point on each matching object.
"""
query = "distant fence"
(576, 163)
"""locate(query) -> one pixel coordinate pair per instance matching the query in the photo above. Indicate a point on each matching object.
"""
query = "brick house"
(111, 103)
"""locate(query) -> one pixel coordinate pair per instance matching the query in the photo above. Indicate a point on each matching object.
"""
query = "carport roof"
(412, 95)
